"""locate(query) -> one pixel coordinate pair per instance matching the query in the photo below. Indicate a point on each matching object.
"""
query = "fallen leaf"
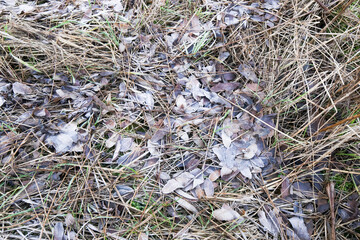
(226, 213)
(63, 142)
(41, 112)
(225, 87)
(299, 226)
(181, 102)
(185, 195)
(208, 188)
(285, 187)
(244, 167)
(267, 224)
(58, 231)
(171, 186)
(226, 139)
(2, 100)
(246, 71)
(111, 141)
(22, 89)
(185, 178)
(199, 192)
(214, 175)
(124, 191)
(164, 176)
(69, 220)
(225, 171)
(251, 151)
(35, 187)
(185, 204)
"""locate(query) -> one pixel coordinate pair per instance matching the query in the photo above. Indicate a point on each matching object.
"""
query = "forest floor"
(172, 119)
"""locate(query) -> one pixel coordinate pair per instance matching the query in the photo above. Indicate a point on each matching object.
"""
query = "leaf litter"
(204, 127)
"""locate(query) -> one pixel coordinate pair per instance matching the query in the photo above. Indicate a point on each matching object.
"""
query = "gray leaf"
(171, 186)
(267, 224)
(247, 72)
(22, 89)
(185, 204)
(209, 188)
(58, 231)
(300, 228)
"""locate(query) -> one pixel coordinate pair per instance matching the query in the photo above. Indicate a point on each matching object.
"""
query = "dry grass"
(309, 66)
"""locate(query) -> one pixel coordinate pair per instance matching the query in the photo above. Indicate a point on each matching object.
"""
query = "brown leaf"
(36, 187)
(285, 187)
(253, 87)
(41, 112)
(214, 175)
(199, 192)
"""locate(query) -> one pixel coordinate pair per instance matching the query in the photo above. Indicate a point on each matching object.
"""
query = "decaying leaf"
(225, 87)
(2, 100)
(250, 151)
(111, 141)
(185, 195)
(226, 139)
(35, 187)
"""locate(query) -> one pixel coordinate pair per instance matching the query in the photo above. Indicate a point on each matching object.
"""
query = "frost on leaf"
(65, 140)
(226, 213)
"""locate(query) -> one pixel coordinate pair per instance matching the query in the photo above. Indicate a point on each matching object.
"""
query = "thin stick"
(323, 6)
